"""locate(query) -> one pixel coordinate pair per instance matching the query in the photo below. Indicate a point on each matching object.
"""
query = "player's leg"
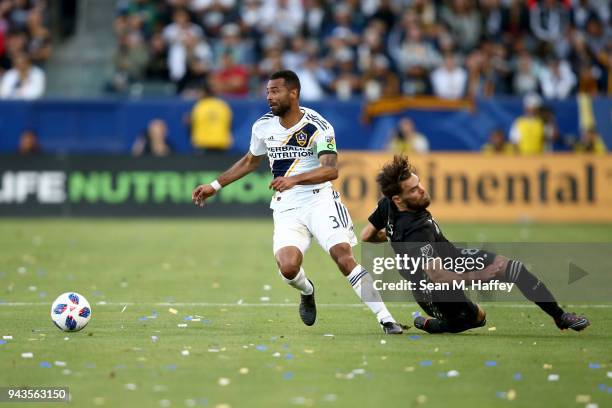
(536, 291)
(454, 318)
(290, 242)
(330, 222)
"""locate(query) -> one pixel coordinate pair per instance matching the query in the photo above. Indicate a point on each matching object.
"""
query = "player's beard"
(280, 109)
(418, 205)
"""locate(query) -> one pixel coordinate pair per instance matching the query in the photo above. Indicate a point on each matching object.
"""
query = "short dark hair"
(290, 77)
(392, 174)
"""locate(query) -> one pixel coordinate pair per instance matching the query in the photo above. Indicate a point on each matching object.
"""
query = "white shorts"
(325, 218)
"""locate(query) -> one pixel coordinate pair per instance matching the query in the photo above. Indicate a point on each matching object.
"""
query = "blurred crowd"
(369, 48)
(25, 47)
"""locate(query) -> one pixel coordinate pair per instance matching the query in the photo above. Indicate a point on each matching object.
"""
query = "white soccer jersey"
(293, 151)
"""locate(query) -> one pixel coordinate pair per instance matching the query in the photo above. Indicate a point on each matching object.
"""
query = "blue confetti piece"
(261, 347)
(602, 387)
(609, 390)
(426, 363)
(45, 364)
(594, 365)
(170, 367)
(288, 356)
(490, 363)
(518, 377)
(501, 394)
(2, 341)
(414, 337)
(143, 318)
(206, 321)
(415, 314)
(288, 375)
(188, 318)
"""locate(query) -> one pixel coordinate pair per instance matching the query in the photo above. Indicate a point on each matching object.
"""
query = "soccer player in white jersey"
(301, 147)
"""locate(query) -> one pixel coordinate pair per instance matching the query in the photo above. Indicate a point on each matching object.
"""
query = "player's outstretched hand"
(201, 193)
(282, 183)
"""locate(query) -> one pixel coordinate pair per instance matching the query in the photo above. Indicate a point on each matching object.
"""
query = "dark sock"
(533, 289)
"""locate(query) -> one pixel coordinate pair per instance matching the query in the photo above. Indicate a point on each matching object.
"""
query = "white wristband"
(216, 185)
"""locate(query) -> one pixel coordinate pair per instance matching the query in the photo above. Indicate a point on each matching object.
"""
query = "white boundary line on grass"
(337, 305)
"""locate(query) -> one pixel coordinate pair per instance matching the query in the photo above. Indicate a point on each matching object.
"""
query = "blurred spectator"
(211, 122)
(527, 131)
(497, 144)
(311, 89)
(232, 79)
(25, 81)
(154, 140)
(380, 81)
(28, 144)
(549, 20)
(463, 19)
(591, 142)
(406, 140)
(176, 35)
(557, 79)
(130, 64)
(39, 45)
(449, 81)
(499, 46)
(525, 79)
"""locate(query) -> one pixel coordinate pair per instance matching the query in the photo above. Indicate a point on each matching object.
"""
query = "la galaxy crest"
(301, 138)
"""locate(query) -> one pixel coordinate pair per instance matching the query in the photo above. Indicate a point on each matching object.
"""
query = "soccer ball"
(70, 312)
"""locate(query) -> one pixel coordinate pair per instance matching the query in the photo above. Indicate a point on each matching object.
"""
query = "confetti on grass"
(27, 355)
(594, 366)
(491, 363)
(553, 377)
(426, 363)
(224, 381)
(45, 364)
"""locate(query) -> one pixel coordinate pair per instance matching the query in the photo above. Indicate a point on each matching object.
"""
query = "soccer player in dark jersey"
(401, 217)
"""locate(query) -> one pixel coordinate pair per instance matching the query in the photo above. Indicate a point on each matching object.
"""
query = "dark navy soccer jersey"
(418, 227)
(411, 226)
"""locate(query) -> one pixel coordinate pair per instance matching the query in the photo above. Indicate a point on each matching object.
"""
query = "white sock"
(300, 282)
(362, 284)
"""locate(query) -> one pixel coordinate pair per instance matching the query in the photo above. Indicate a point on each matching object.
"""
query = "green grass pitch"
(247, 346)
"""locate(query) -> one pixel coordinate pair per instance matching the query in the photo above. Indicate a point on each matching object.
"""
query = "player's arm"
(327, 172)
(247, 164)
(377, 221)
(372, 234)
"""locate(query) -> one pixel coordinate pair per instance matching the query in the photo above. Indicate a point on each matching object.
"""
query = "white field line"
(332, 305)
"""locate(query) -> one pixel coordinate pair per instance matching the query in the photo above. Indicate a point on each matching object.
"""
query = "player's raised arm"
(247, 164)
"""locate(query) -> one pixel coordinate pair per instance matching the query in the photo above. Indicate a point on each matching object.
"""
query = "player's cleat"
(430, 325)
(572, 321)
(392, 328)
(308, 307)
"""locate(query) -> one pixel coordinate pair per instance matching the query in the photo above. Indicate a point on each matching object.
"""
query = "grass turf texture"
(154, 265)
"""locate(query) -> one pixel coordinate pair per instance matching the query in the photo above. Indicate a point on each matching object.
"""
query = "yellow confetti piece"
(511, 395)
(243, 370)
(583, 399)
(409, 369)
(308, 351)
(173, 311)
(547, 366)
(421, 399)
(492, 328)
